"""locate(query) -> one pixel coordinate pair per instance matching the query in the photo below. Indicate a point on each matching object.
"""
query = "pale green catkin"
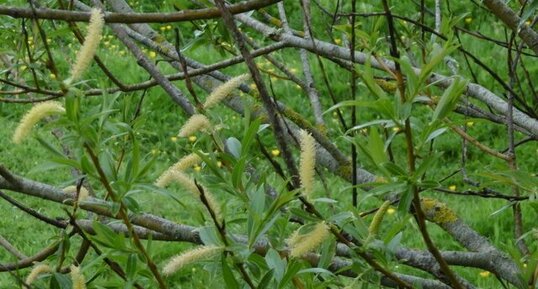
(89, 47)
(308, 162)
(224, 90)
(302, 244)
(33, 116)
(197, 122)
(373, 229)
(190, 257)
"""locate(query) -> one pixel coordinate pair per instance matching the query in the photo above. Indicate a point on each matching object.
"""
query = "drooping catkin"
(184, 163)
(36, 271)
(33, 116)
(308, 162)
(89, 47)
(302, 244)
(373, 229)
(197, 122)
(78, 280)
(190, 257)
(224, 90)
(187, 162)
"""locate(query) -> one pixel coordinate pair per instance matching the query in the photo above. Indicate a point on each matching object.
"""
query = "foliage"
(167, 163)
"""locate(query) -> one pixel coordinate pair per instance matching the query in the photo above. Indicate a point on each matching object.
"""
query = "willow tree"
(293, 145)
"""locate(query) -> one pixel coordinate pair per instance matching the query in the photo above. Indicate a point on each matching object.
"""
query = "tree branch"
(512, 20)
(185, 15)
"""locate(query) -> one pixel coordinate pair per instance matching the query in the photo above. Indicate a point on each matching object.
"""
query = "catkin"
(189, 257)
(197, 122)
(33, 116)
(302, 244)
(89, 47)
(224, 90)
(308, 162)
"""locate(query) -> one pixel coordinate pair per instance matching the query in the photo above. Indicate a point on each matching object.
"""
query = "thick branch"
(512, 20)
(487, 256)
(185, 15)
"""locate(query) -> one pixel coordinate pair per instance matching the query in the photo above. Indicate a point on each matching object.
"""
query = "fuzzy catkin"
(184, 163)
(187, 162)
(308, 162)
(189, 257)
(184, 181)
(36, 271)
(33, 116)
(376, 221)
(302, 244)
(78, 280)
(89, 47)
(197, 122)
(222, 91)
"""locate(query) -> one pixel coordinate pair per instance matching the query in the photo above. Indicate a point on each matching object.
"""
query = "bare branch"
(512, 20)
(329, 50)
(185, 15)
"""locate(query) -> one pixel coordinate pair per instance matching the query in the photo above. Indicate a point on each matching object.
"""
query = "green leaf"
(106, 237)
(394, 169)
(266, 280)
(60, 281)
(227, 274)
(209, 236)
(328, 249)
(449, 99)
(384, 122)
(276, 264)
(396, 187)
(413, 84)
(250, 135)
(368, 78)
(130, 269)
(316, 271)
(50, 147)
(426, 164)
(435, 134)
(131, 204)
(233, 146)
(134, 162)
(292, 270)
(238, 173)
(405, 200)
(376, 147)
(436, 56)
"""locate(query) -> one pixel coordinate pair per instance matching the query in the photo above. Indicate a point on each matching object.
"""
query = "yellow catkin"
(187, 162)
(184, 181)
(83, 194)
(36, 271)
(89, 47)
(308, 242)
(33, 116)
(308, 162)
(224, 90)
(190, 257)
(197, 122)
(376, 221)
(78, 280)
